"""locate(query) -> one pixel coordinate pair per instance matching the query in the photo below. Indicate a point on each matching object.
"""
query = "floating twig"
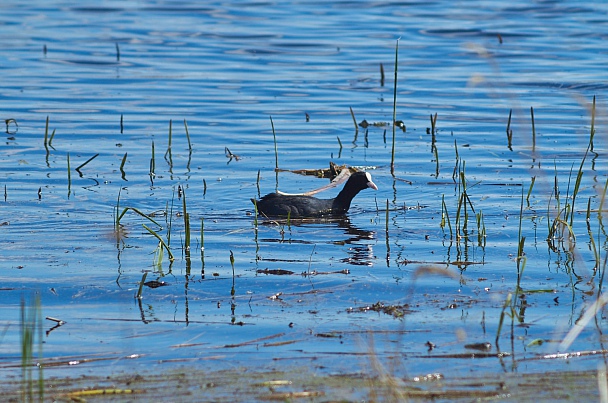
(122, 166)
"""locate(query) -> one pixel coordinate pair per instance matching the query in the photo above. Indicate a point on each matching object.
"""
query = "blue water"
(227, 69)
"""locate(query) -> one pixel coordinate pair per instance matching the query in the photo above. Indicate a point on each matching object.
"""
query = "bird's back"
(277, 205)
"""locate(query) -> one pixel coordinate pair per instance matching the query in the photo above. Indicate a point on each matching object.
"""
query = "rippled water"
(226, 69)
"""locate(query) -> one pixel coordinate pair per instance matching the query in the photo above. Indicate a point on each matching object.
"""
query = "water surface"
(226, 70)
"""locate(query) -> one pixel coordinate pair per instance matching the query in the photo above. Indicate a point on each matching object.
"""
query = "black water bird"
(279, 205)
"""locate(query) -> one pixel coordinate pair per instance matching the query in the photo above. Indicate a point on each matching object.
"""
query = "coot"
(277, 205)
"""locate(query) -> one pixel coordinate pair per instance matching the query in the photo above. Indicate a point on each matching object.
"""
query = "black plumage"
(278, 205)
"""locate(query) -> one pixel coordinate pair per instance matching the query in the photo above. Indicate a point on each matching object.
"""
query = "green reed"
(462, 212)
(232, 290)
(532, 181)
(594, 249)
(509, 131)
(255, 215)
(162, 242)
(85, 163)
(433, 124)
(386, 236)
(30, 329)
(122, 127)
(46, 135)
(445, 217)
(436, 155)
(69, 176)
(457, 163)
(187, 135)
(170, 140)
(394, 109)
(352, 114)
(521, 257)
(152, 162)
(386, 219)
(169, 215)
(141, 286)
(481, 229)
(276, 150)
(503, 313)
(202, 234)
(533, 128)
(564, 219)
(51, 137)
(186, 225)
(592, 130)
(257, 181)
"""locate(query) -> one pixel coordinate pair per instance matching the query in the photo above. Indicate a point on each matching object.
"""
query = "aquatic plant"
(394, 109)
(85, 163)
(30, 328)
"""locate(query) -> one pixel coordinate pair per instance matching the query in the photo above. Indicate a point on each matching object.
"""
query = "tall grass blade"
(136, 211)
(592, 132)
(276, 151)
(394, 109)
(141, 286)
(445, 217)
(162, 242)
(187, 135)
(352, 115)
(533, 129)
(530, 190)
(257, 182)
(520, 237)
(506, 304)
(202, 234)
(85, 163)
(46, 134)
(436, 154)
(388, 246)
(509, 132)
(69, 177)
(186, 226)
(152, 162)
(232, 290)
(170, 138)
(51, 139)
(31, 333)
(255, 214)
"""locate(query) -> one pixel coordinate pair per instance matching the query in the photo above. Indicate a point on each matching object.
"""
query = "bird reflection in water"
(360, 252)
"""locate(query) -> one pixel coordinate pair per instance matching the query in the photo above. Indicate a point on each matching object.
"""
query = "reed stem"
(394, 109)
